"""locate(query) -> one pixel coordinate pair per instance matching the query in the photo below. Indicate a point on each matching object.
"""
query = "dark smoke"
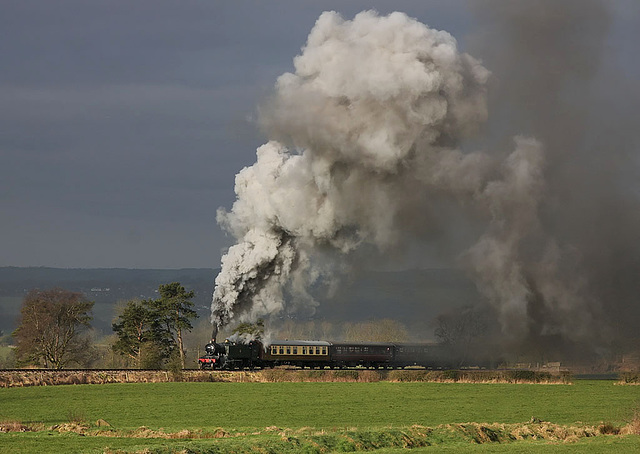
(555, 80)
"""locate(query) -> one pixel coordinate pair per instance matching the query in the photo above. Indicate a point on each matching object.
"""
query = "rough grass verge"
(480, 376)
(310, 440)
(10, 379)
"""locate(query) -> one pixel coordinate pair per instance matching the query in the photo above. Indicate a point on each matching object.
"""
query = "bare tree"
(326, 330)
(384, 330)
(460, 330)
(52, 328)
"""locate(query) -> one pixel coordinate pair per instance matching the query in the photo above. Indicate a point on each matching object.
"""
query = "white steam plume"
(365, 132)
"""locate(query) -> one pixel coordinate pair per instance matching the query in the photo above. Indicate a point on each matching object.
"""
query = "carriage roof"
(303, 343)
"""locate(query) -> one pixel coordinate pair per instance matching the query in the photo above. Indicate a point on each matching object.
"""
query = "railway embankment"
(41, 377)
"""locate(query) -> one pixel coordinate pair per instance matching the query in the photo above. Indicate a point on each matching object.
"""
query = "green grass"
(72, 443)
(380, 408)
(176, 406)
(599, 445)
(36, 443)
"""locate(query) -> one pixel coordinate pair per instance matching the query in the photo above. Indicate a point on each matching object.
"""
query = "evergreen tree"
(140, 334)
(253, 330)
(150, 331)
(176, 312)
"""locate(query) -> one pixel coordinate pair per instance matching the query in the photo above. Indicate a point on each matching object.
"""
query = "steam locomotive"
(321, 354)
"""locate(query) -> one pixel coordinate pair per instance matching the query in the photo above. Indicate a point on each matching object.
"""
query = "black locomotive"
(321, 354)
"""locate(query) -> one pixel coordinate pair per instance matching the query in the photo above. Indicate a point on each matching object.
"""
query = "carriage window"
(304, 350)
(288, 350)
(324, 350)
(282, 350)
(274, 350)
(295, 350)
(366, 349)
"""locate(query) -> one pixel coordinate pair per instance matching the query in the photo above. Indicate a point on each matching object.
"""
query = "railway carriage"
(298, 353)
(363, 354)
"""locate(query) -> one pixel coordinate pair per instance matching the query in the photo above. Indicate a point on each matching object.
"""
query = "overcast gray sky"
(123, 123)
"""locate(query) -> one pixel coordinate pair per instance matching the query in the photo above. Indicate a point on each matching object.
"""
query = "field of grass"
(293, 417)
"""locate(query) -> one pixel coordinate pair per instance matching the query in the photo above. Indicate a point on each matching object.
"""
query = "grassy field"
(294, 417)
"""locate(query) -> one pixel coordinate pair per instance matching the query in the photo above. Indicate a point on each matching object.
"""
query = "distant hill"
(413, 297)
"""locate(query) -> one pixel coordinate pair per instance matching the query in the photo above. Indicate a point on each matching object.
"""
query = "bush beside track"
(630, 378)
(21, 378)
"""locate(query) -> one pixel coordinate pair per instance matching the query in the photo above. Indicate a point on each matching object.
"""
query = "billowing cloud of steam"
(365, 135)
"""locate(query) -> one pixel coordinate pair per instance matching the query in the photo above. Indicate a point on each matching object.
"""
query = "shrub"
(345, 375)
(634, 426)
(76, 417)
(522, 375)
(451, 375)
(13, 426)
(315, 375)
(369, 376)
(403, 375)
(608, 429)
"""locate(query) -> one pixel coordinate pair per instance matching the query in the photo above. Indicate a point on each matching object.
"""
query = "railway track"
(92, 370)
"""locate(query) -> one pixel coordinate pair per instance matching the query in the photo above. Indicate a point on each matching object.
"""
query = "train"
(254, 354)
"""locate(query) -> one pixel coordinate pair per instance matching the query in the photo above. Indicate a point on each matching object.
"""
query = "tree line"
(54, 329)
